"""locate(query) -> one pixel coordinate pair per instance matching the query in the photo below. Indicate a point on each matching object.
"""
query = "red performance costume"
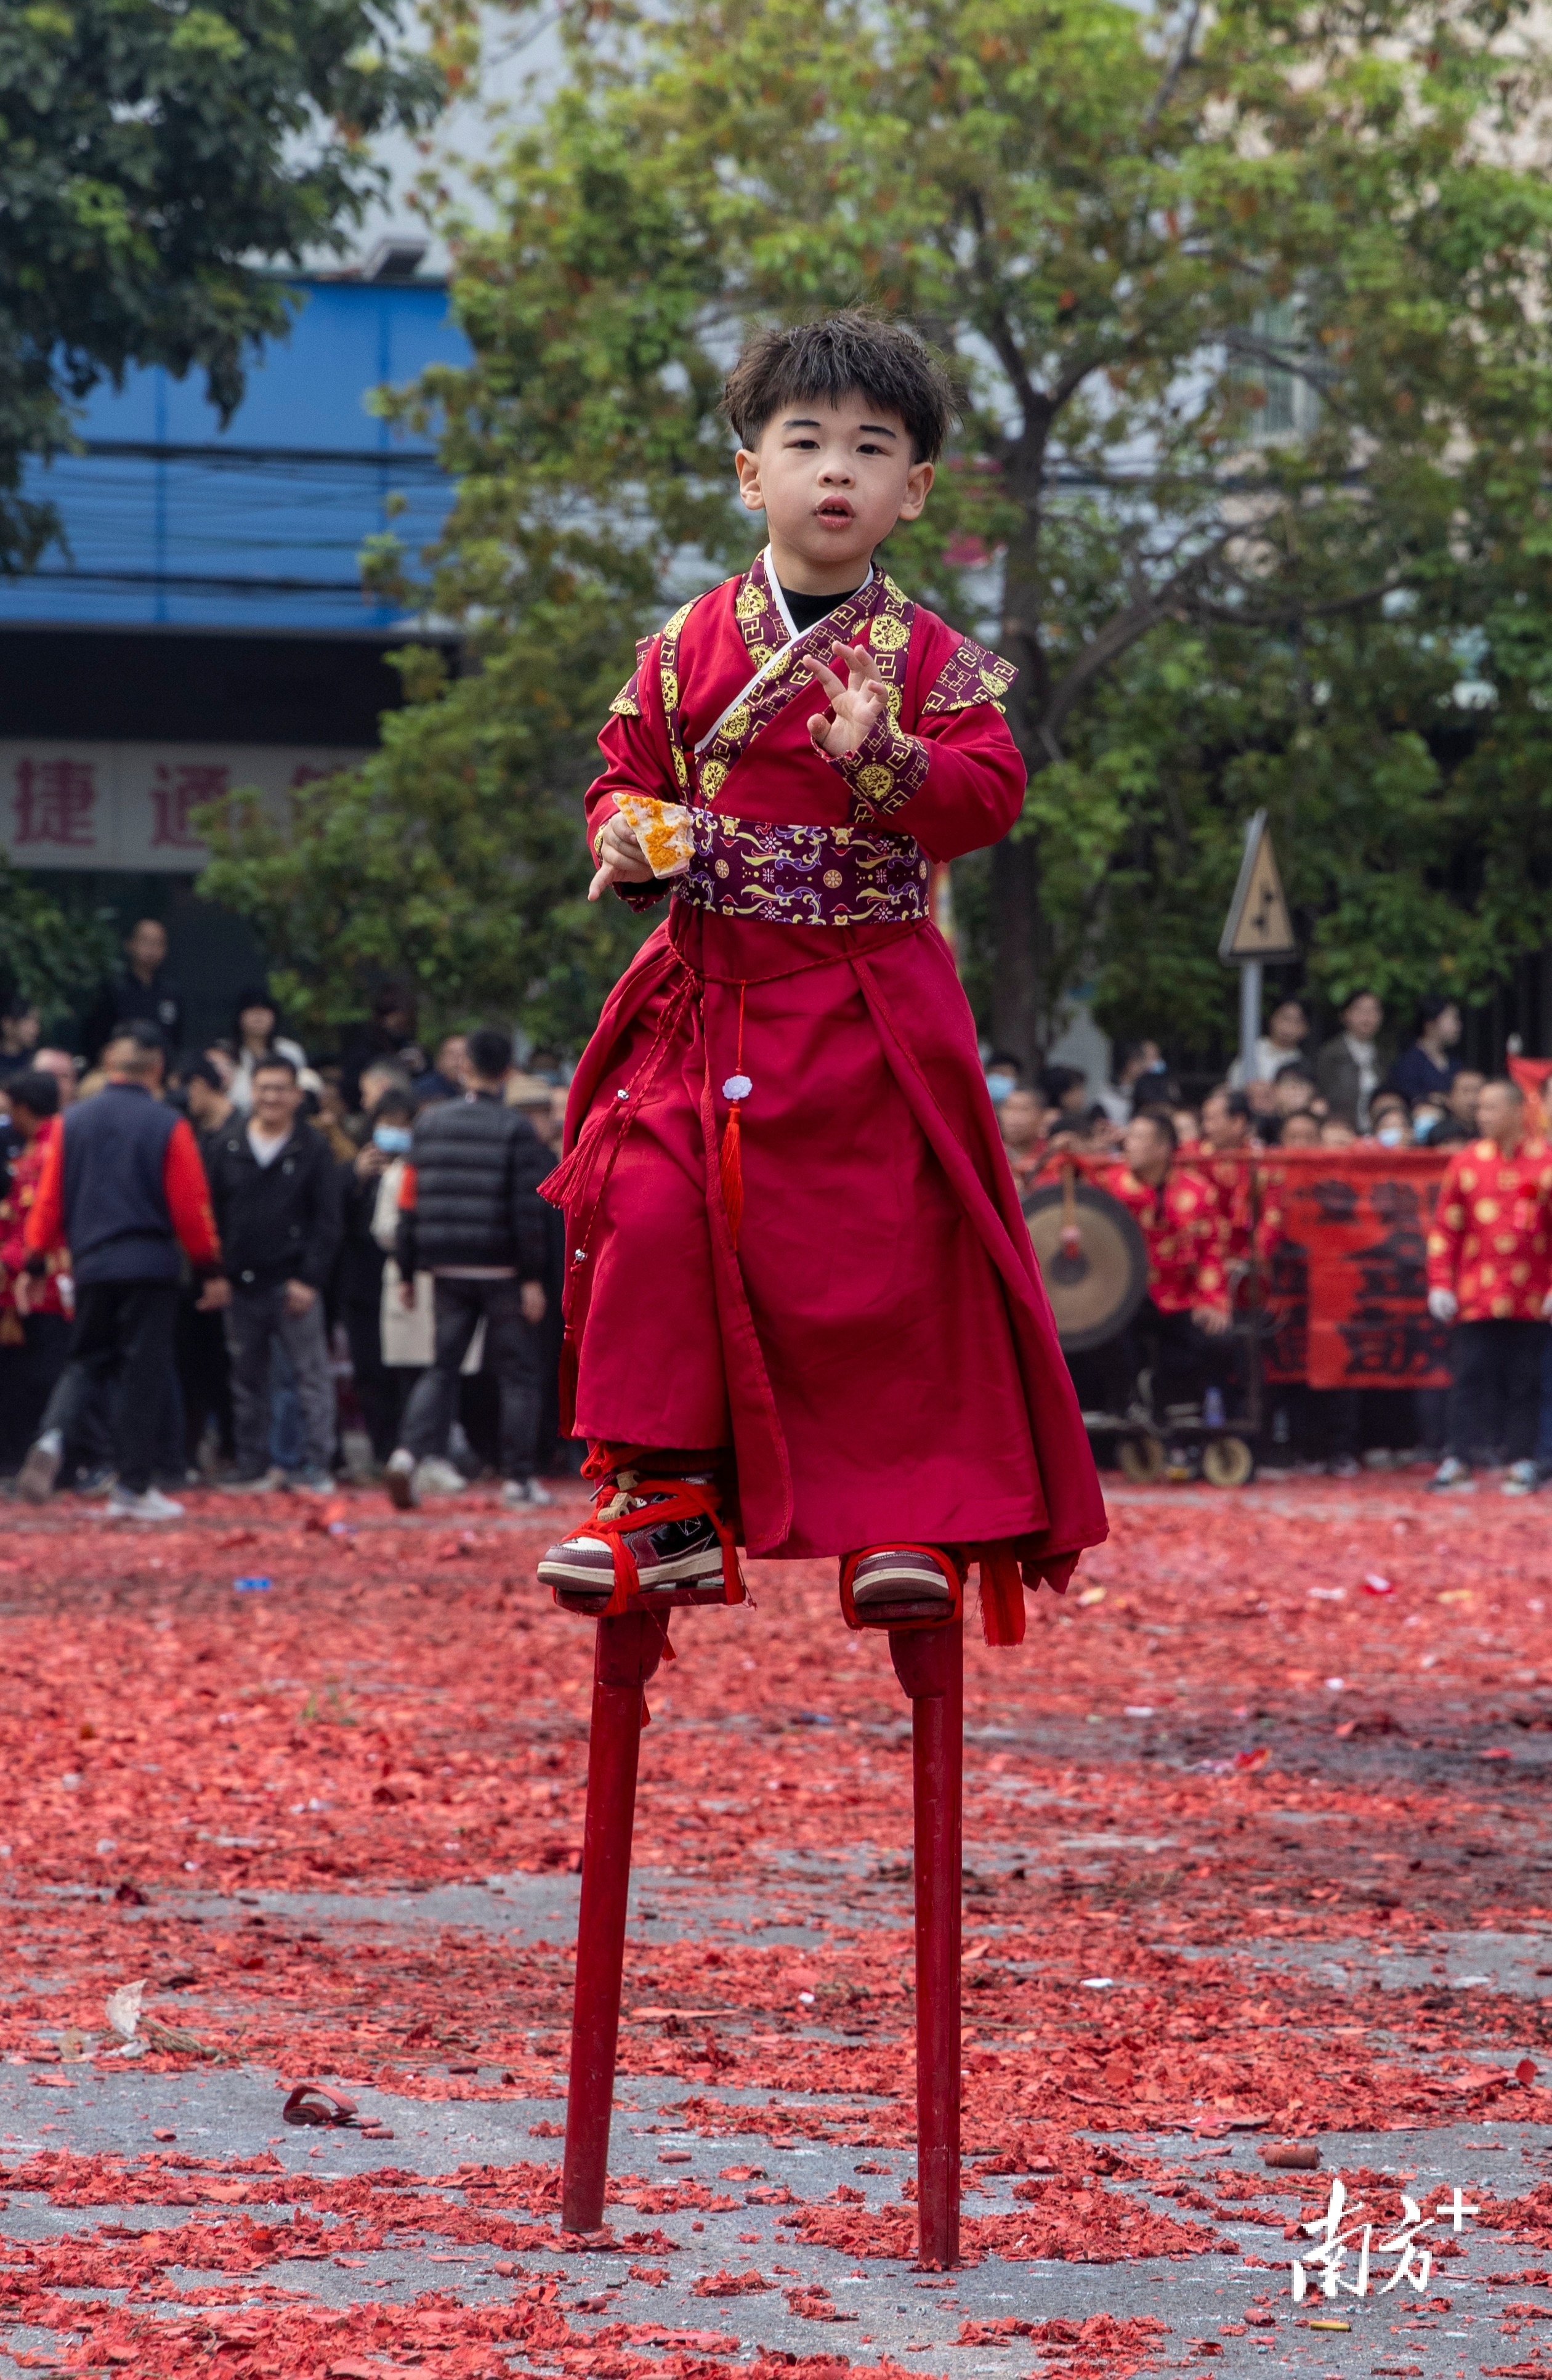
(797, 1268)
(792, 1230)
(1491, 1239)
(1186, 1230)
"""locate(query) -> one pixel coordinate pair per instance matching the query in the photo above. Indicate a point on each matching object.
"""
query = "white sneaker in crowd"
(263, 1485)
(310, 1482)
(125, 1505)
(1452, 1473)
(398, 1477)
(1523, 1480)
(437, 1477)
(42, 1467)
(522, 1492)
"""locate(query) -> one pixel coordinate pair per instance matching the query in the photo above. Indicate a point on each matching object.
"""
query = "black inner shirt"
(808, 609)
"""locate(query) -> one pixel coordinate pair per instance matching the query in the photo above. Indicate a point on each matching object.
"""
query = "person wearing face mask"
(1389, 1123)
(381, 1387)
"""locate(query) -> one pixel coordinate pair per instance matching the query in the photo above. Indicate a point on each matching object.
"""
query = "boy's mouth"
(834, 508)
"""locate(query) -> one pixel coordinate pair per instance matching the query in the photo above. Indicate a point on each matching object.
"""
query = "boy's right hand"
(621, 859)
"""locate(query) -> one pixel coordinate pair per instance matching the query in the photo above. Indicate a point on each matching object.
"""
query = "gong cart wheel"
(1227, 1461)
(1141, 1459)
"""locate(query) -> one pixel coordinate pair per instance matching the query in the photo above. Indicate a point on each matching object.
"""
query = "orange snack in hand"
(662, 829)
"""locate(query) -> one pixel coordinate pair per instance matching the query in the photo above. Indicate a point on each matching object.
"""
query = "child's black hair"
(840, 355)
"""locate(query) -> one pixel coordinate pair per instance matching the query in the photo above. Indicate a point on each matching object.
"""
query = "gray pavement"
(878, 2308)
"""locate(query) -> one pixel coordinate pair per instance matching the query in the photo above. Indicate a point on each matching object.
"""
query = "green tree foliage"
(54, 953)
(156, 157)
(1249, 306)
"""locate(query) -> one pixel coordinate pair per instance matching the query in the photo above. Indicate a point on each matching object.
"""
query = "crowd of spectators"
(1182, 1168)
(1297, 1092)
(227, 1267)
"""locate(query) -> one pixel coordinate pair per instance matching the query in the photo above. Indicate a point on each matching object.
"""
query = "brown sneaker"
(883, 1576)
(675, 1553)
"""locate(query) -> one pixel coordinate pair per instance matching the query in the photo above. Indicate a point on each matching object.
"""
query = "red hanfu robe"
(873, 1341)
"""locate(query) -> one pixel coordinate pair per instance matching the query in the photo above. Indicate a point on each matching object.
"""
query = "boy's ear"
(747, 468)
(919, 487)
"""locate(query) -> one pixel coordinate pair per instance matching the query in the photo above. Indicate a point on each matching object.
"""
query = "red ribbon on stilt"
(616, 1514)
(1002, 1614)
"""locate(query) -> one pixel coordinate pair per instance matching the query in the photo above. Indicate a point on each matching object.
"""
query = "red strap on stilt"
(617, 1513)
(1002, 1614)
(948, 1563)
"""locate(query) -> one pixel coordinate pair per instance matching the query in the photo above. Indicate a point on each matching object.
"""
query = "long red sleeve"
(187, 1196)
(45, 1216)
(638, 758)
(957, 783)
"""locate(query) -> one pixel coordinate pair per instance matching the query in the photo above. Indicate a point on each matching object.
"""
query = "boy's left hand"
(621, 859)
(856, 702)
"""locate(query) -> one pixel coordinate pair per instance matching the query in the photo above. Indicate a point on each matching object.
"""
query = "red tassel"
(1002, 1615)
(730, 1166)
(731, 1170)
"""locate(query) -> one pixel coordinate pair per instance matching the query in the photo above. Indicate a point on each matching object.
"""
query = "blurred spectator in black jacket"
(274, 1189)
(381, 1388)
(470, 1216)
(389, 1034)
(143, 993)
(448, 1079)
(19, 1028)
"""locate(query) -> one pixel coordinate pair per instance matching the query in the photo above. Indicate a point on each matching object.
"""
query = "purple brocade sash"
(803, 875)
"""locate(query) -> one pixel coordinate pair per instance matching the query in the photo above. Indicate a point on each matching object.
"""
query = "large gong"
(1095, 1288)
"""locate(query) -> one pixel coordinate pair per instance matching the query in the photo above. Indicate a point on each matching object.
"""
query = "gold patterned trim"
(969, 676)
(885, 770)
(879, 610)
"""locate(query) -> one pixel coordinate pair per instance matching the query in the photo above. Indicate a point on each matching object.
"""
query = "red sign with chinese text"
(1347, 1279)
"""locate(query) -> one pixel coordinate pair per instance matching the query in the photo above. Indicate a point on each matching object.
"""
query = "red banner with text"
(1346, 1277)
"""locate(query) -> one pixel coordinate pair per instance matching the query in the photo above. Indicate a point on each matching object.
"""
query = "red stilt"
(629, 1649)
(929, 1663)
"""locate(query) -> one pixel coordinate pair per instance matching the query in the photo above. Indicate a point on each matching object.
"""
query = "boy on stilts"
(803, 1313)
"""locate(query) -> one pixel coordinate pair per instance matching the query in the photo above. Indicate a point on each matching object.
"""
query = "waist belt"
(803, 875)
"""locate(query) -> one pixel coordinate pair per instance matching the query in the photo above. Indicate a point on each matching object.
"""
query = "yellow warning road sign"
(1259, 924)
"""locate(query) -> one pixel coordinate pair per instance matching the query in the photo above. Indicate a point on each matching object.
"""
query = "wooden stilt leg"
(929, 1663)
(629, 1649)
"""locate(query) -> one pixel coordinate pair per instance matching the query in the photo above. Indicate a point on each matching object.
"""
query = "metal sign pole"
(1250, 1018)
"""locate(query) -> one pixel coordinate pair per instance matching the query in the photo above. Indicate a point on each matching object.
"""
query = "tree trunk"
(1017, 1008)
(1017, 926)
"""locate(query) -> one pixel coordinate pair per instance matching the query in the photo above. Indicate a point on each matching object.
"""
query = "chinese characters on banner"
(132, 805)
(1346, 1283)
(177, 788)
(55, 805)
(1322, 2265)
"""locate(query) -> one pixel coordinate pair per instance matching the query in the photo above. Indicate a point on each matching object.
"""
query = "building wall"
(201, 628)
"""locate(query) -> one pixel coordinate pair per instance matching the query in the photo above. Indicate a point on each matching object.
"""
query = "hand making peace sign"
(854, 705)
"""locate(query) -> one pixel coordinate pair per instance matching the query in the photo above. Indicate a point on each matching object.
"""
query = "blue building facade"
(202, 624)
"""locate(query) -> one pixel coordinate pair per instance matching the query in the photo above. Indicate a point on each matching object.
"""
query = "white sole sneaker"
(889, 1577)
(587, 1578)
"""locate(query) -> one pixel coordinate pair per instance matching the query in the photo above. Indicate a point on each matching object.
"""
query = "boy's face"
(832, 481)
